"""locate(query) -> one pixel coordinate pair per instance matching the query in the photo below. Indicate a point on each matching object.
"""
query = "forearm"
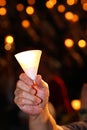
(43, 122)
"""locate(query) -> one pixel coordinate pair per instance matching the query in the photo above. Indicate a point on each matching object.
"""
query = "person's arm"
(32, 98)
(44, 121)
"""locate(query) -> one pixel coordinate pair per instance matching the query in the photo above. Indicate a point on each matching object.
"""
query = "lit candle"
(29, 61)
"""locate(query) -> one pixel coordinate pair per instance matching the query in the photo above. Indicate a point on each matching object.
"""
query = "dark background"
(50, 30)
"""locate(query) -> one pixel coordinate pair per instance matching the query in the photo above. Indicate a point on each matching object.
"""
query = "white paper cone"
(29, 61)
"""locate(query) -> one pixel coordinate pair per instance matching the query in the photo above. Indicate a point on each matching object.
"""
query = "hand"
(31, 96)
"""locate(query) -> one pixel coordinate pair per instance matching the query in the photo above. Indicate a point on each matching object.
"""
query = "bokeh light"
(76, 104)
(9, 39)
(2, 2)
(20, 7)
(25, 23)
(30, 10)
(82, 43)
(3, 11)
(61, 8)
(68, 42)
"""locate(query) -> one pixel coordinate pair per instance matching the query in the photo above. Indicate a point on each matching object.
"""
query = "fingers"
(26, 79)
(24, 87)
(23, 98)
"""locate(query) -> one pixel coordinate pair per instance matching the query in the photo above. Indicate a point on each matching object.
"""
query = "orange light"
(30, 10)
(84, 6)
(49, 4)
(25, 23)
(3, 11)
(20, 7)
(2, 2)
(61, 8)
(82, 43)
(69, 42)
(75, 18)
(76, 104)
(69, 15)
(7, 47)
(31, 2)
(71, 2)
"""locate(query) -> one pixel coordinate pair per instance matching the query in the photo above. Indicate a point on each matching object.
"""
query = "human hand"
(31, 96)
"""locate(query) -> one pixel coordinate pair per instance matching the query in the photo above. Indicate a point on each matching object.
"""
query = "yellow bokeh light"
(76, 104)
(82, 43)
(9, 39)
(20, 7)
(69, 42)
(61, 8)
(3, 11)
(2, 2)
(25, 23)
(30, 10)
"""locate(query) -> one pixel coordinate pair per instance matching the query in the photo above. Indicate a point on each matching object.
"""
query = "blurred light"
(69, 43)
(2, 2)
(69, 15)
(49, 4)
(31, 2)
(8, 47)
(53, 1)
(9, 39)
(71, 2)
(3, 11)
(76, 104)
(75, 18)
(20, 7)
(84, 6)
(83, 1)
(82, 43)
(25, 23)
(61, 8)
(30, 10)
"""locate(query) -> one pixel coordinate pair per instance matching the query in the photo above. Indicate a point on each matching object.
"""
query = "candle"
(29, 61)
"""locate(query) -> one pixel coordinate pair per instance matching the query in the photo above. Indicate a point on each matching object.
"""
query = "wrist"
(43, 115)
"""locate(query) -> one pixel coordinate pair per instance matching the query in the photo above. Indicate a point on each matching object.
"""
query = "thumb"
(40, 83)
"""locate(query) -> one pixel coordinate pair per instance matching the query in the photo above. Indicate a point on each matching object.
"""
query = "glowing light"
(82, 43)
(9, 39)
(49, 4)
(31, 2)
(69, 15)
(8, 47)
(3, 11)
(61, 8)
(2, 2)
(25, 23)
(75, 18)
(71, 2)
(29, 61)
(76, 104)
(20, 7)
(30, 10)
(69, 43)
(84, 6)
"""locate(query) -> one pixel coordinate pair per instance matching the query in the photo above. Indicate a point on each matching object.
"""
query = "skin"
(32, 98)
